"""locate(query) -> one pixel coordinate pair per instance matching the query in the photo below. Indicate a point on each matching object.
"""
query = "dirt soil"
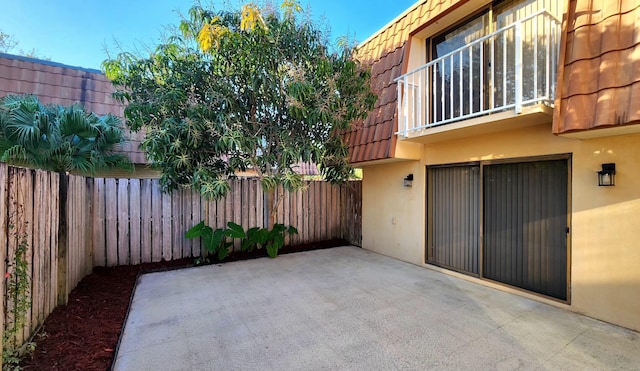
(83, 334)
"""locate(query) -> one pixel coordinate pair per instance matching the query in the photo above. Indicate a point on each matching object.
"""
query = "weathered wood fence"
(133, 222)
(29, 214)
(71, 224)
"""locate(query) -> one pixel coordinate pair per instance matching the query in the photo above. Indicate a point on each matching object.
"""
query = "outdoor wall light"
(408, 180)
(607, 176)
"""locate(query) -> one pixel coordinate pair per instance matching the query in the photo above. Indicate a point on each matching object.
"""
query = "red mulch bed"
(83, 334)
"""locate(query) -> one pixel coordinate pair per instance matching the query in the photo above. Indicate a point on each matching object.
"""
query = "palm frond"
(12, 101)
(21, 126)
(82, 163)
(58, 138)
(73, 121)
(118, 161)
(5, 144)
(15, 155)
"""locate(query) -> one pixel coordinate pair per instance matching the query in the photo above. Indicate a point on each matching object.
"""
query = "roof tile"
(55, 84)
(600, 71)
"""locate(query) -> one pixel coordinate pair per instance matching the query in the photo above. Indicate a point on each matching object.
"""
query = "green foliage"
(215, 242)
(18, 289)
(58, 138)
(219, 241)
(258, 91)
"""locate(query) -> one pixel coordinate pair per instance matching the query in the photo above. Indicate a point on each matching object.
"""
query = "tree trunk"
(274, 199)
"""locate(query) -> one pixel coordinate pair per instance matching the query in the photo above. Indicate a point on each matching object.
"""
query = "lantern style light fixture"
(607, 176)
(408, 180)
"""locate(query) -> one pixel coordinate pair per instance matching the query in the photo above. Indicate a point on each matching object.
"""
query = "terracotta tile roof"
(599, 75)
(306, 168)
(56, 83)
(385, 51)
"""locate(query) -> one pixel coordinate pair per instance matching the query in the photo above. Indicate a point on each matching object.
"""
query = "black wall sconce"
(607, 176)
(408, 180)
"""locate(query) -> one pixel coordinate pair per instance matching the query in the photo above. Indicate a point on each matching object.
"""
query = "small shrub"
(215, 241)
(220, 240)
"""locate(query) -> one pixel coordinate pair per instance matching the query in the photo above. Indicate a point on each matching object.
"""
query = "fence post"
(63, 263)
(3, 240)
(88, 225)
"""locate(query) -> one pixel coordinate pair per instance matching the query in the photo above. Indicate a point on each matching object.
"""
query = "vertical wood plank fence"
(111, 222)
(133, 222)
(29, 207)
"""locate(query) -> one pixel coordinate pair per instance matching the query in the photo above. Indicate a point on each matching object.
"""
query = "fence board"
(237, 208)
(330, 212)
(11, 239)
(298, 216)
(166, 227)
(210, 219)
(88, 238)
(53, 256)
(228, 207)
(4, 176)
(244, 185)
(185, 221)
(73, 216)
(146, 235)
(110, 187)
(260, 222)
(19, 230)
(286, 207)
(176, 222)
(251, 201)
(98, 219)
(197, 204)
(134, 220)
(72, 226)
(336, 216)
(26, 198)
(321, 208)
(157, 209)
(38, 229)
(311, 221)
(123, 222)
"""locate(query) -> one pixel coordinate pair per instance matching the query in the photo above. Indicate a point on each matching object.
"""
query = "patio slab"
(349, 309)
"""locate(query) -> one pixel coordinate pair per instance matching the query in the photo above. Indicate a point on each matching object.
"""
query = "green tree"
(255, 89)
(58, 138)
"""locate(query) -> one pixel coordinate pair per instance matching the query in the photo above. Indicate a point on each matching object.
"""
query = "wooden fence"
(133, 222)
(29, 213)
(71, 224)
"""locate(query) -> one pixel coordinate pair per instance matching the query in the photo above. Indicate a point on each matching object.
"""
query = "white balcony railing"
(508, 69)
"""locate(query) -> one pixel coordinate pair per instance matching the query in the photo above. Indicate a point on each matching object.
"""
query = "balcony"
(497, 78)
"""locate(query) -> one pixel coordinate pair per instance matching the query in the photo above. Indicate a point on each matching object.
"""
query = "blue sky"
(76, 32)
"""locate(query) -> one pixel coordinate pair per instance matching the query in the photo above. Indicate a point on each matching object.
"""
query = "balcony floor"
(508, 120)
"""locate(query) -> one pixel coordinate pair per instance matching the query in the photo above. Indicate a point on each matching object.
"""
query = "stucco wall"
(605, 229)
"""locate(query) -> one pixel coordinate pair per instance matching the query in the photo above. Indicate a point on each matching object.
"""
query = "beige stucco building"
(503, 114)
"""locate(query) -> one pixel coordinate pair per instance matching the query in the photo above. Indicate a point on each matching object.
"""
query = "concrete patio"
(347, 308)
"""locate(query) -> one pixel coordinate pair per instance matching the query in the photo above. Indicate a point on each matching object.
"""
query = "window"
(468, 78)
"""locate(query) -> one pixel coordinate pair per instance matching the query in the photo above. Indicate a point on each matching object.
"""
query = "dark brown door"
(454, 203)
(525, 225)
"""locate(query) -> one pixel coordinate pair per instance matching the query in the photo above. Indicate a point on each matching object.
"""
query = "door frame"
(429, 212)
